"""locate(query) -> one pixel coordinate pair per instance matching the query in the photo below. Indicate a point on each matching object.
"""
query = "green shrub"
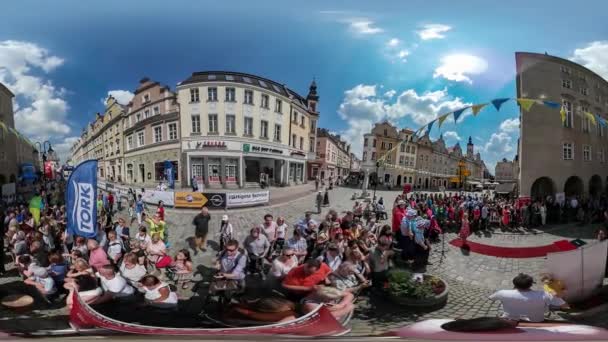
(401, 284)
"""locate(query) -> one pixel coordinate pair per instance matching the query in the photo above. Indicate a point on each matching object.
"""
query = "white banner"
(9, 193)
(581, 270)
(153, 196)
(241, 199)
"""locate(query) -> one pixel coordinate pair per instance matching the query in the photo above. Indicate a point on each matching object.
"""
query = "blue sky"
(404, 61)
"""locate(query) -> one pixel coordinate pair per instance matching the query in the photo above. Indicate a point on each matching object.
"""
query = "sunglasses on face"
(289, 255)
(231, 250)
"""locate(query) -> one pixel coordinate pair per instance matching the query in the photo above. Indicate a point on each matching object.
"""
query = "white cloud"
(122, 96)
(389, 94)
(363, 26)
(393, 42)
(510, 125)
(41, 108)
(499, 144)
(458, 67)
(451, 135)
(433, 31)
(594, 56)
(363, 106)
(62, 149)
(403, 54)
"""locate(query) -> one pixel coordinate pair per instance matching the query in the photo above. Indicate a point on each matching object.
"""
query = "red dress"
(465, 230)
(505, 216)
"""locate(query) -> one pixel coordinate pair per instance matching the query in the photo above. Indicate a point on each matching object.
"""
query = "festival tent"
(581, 270)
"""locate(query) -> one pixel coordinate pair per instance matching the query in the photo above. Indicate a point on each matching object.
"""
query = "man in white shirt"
(113, 284)
(524, 304)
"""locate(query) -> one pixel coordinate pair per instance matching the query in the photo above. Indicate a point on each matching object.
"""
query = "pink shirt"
(98, 258)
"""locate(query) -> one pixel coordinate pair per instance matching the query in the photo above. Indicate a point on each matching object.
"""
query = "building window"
(194, 96)
(402, 148)
(311, 144)
(584, 91)
(373, 155)
(364, 142)
(382, 146)
(294, 117)
(293, 140)
(130, 142)
(401, 160)
(158, 134)
(230, 124)
(196, 124)
(156, 110)
(146, 98)
(213, 123)
(364, 156)
(264, 129)
(567, 84)
(390, 145)
(172, 127)
(248, 97)
(264, 102)
(212, 94)
(567, 151)
(388, 159)
(248, 131)
(146, 113)
(600, 156)
(374, 143)
(586, 153)
(140, 139)
(567, 106)
(301, 143)
(278, 106)
(303, 121)
(385, 132)
(565, 70)
(313, 126)
(277, 132)
(138, 117)
(230, 95)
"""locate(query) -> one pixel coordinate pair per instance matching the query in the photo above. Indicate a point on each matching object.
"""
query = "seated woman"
(58, 268)
(340, 303)
(78, 268)
(88, 290)
(157, 293)
(131, 270)
(281, 266)
(181, 269)
(267, 309)
(156, 249)
(114, 247)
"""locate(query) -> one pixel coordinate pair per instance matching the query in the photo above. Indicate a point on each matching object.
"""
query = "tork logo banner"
(81, 200)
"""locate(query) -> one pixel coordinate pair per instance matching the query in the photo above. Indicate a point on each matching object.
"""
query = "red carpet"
(516, 252)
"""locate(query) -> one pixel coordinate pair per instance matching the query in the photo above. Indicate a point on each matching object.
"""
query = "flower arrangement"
(402, 283)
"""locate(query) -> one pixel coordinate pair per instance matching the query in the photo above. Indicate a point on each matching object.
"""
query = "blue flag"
(169, 173)
(498, 102)
(552, 104)
(81, 196)
(458, 113)
(430, 126)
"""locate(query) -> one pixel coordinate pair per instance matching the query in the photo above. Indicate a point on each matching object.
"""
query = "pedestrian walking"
(201, 229)
(326, 198)
(139, 208)
(317, 183)
(320, 201)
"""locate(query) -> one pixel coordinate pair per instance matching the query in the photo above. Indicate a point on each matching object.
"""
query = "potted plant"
(405, 289)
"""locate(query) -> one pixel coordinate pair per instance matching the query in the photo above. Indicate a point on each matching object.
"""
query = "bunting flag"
(442, 119)
(4, 128)
(477, 108)
(498, 102)
(526, 104)
(458, 113)
(562, 112)
(552, 104)
(591, 118)
(600, 120)
(430, 126)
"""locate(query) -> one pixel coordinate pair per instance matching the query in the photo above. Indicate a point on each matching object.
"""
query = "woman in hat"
(226, 232)
(281, 266)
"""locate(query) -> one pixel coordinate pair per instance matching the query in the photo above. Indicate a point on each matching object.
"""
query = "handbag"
(220, 285)
(164, 261)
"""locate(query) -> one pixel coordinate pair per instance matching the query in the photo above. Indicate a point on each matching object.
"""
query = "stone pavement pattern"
(471, 278)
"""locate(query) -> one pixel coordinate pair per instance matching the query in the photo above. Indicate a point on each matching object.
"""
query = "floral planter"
(437, 300)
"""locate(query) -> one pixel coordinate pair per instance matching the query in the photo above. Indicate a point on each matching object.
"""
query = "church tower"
(312, 98)
(470, 148)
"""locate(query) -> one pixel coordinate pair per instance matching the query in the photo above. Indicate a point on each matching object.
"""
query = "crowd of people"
(310, 261)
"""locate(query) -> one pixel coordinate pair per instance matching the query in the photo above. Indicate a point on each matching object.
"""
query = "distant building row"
(225, 129)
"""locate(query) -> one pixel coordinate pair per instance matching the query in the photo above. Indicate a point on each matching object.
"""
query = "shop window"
(159, 171)
(214, 173)
(231, 173)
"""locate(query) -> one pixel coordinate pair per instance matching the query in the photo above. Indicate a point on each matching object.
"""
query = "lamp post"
(376, 181)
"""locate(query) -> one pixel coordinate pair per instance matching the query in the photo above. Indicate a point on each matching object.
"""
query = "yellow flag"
(591, 118)
(477, 108)
(442, 119)
(526, 104)
(563, 114)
